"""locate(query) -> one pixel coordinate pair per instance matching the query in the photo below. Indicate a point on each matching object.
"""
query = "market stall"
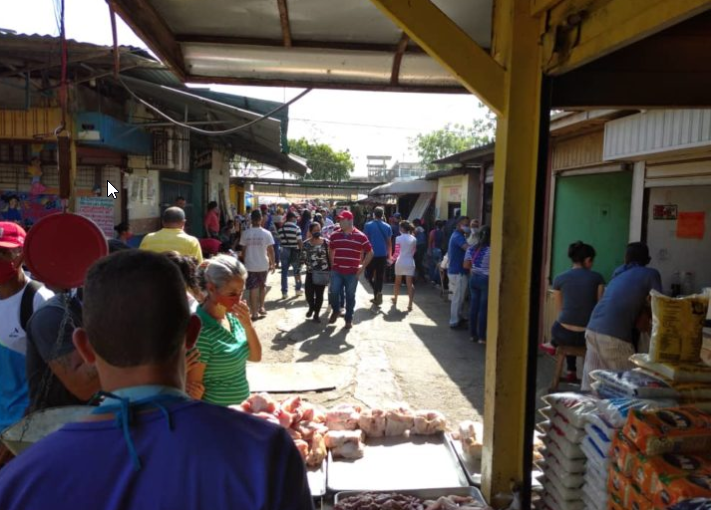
(642, 439)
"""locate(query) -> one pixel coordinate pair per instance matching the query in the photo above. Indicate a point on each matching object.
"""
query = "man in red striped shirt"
(350, 253)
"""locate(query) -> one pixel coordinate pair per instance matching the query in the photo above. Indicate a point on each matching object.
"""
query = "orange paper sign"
(691, 225)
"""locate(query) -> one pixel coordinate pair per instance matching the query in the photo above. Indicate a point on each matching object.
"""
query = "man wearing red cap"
(18, 299)
(347, 250)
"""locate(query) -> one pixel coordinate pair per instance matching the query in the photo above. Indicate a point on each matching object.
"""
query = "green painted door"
(594, 209)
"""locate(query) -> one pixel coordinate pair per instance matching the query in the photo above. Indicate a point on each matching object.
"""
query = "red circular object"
(60, 248)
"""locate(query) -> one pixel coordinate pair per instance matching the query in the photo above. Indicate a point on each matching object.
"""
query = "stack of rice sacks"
(564, 464)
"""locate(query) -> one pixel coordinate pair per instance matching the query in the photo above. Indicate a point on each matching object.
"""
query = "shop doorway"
(173, 185)
(594, 209)
(454, 209)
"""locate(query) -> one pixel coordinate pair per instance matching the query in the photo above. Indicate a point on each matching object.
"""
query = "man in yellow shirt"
(172, 237)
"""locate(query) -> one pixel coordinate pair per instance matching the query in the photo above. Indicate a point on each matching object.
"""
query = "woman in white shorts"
(405, 249)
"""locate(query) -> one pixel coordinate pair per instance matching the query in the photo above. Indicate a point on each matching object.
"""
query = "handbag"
(321, 277)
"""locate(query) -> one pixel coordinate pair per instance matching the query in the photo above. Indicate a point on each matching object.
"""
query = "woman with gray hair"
(227, 338)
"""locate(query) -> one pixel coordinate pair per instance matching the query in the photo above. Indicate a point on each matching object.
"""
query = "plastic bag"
(599, 439)
(568, 448)
(635, 383)
(616, 410)
(675, 430)
(573, 406)
(675, 372)
(573, 434)
(561, 493)
(567, 479)
(677, 328)
(570, 465)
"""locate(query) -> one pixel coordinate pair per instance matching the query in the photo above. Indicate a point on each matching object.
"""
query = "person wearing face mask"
(19, 297)
(315, 257)
(227, 339)
(456, 272)
(349, 254)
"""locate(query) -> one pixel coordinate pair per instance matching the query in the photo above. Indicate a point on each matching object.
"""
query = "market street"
(387, 358)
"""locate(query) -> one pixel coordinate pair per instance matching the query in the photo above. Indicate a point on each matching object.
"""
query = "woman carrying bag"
(315, 257)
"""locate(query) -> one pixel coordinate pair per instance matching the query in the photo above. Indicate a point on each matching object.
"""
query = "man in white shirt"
(19, 297)
(258, 256)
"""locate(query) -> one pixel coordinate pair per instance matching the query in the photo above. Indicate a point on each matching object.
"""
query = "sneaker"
(316, 318)
(572, 378)
(548, 349)
(299, 293)
(349, 325)
(309, 313)
(379, 298)
(284, 295)
(334, 317)
(342, 312)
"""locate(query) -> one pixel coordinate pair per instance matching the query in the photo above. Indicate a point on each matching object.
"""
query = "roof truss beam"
(150, 26)
(449, 45)
(284, 20)
(580, 31)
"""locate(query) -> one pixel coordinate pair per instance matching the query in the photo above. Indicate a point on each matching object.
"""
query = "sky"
(365, 123)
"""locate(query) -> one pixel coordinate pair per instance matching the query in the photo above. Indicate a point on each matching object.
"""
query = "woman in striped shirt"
(477, 259)
(227, 338)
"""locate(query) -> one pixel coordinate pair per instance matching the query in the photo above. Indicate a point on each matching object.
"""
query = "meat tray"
(472, 468)
(426, 494)
(397, 464)
(316, 477)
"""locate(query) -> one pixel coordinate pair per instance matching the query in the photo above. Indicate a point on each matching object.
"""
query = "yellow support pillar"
(515, 170)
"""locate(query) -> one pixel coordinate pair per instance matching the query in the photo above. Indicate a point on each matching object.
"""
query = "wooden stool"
(560, 355)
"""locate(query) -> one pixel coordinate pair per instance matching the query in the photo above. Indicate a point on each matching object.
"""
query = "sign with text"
(100, 210)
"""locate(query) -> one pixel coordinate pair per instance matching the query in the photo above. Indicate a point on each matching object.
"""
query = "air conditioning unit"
(171, 150)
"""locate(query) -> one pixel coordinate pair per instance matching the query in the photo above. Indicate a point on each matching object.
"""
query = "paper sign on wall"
(100, 210)
(691, 225)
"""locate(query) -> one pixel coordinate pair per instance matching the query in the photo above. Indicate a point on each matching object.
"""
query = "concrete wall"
(671, 254)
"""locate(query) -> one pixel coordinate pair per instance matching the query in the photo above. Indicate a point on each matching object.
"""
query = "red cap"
(345, 215)
(11, 235)
(263, 207)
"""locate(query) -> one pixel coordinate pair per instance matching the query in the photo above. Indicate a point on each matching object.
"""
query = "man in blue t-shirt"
(611, 331)
(457, 274)
(148, 445)
(380, 235)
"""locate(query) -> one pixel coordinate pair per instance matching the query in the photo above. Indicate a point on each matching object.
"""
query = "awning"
(420, 208)
(405, 188)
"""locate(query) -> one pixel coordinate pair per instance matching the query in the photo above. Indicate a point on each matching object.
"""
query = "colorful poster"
(100, 210)
(691, 225)
(27, 209)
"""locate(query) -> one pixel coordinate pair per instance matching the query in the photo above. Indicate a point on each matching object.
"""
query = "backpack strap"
(27, 302)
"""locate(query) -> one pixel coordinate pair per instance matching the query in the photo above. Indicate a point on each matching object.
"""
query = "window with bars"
(161, 148)
(11, 152)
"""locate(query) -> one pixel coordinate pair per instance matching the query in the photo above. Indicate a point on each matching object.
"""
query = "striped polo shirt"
(225, 353)
(289, 235)
(348, 250)
(480, 259)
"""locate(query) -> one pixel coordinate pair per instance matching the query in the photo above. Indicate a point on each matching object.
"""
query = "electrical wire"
(208, 132)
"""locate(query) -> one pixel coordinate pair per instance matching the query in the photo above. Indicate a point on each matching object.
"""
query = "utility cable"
(208, 132)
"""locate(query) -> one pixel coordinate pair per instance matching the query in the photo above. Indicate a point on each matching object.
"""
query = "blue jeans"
(478, 305)
(289, 258)
(340, 283)
(436, 259)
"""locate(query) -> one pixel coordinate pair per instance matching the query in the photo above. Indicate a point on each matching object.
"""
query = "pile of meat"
(342, 429)
(394, 501)
(401, 421)
(305, 424)
(471, 445)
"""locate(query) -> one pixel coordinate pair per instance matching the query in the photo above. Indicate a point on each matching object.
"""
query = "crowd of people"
(161, 335)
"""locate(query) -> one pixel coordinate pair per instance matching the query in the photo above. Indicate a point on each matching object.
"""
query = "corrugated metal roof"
(469, 155)
(321, 43)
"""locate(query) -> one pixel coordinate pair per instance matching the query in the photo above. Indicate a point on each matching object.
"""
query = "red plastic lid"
(60, 248)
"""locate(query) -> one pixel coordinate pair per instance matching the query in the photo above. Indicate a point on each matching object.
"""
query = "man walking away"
(172, 237)
(147, 433)
(291, 246)
(348, 247)
(19, 297)
(380, 236)
(457, 274)
(258, 253)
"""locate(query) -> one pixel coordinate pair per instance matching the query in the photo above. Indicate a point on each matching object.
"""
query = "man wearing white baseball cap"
(19, 297)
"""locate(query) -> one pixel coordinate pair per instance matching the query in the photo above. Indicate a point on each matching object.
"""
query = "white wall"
(671, 254)
(143, 191)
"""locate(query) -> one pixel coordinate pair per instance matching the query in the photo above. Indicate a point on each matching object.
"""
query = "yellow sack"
(677, 328)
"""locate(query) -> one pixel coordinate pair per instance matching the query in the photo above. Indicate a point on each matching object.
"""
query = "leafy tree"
(453, 138)
(326, 163)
